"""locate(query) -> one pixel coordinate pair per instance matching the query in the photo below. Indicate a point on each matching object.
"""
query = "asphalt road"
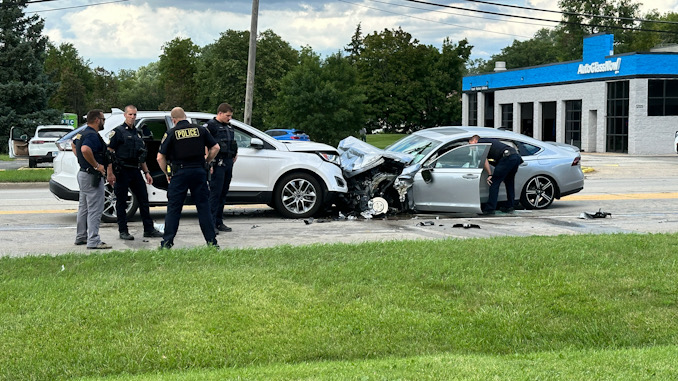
(640, 192)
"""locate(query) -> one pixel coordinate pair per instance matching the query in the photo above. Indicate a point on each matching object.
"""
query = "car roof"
(452, 132)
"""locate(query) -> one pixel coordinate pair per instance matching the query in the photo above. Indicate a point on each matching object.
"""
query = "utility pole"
(251, 58)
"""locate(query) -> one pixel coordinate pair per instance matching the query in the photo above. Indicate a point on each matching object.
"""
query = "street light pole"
(251, 58)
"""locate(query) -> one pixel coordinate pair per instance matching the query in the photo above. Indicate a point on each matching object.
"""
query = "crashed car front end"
(377, 180)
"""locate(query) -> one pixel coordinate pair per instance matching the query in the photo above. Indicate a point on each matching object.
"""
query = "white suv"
(297, 179)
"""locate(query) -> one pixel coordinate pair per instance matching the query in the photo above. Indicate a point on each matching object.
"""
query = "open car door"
(18, 143)
(451, 182)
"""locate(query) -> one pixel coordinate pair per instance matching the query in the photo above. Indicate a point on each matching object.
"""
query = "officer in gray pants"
(90, 150)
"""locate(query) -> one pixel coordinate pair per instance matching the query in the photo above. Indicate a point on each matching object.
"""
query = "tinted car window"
(526, 149)
(53, 133)
(463, 157)
(158, 127)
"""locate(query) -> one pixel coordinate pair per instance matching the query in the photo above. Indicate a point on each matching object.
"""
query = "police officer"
(90, 150)
(184, 146)
(506, 163)
(128, 153)
(222, 168)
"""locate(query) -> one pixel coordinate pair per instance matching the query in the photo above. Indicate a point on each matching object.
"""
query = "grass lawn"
(26, 175)
(554, 308)
(383, 140)
(4, 157)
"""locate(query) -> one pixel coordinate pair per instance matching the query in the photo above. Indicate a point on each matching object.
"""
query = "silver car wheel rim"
(540, 192)
(299, 196)
(110, 199)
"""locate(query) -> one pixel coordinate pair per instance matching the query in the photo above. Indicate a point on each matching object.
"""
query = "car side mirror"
(23, 137)
(427, 175)
(256, 143)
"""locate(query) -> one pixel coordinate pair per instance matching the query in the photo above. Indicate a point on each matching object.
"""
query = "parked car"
(437, 170)
(288, 134)
(295, 179)
(41, 148)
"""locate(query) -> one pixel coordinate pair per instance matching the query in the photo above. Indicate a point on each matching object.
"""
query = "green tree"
(178, 66)
(141, 87)
(222, 73)
(104, 94)
(410, 86)
(541, 49)
(73, 76)
(24, 86)
(322, 98)
(644, 41)
(356, 46)
(585, 17)
(444, 106)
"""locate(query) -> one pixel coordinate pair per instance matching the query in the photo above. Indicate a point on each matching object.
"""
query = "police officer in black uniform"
(506, 163)
(128, 154)
(222, 167)
(184, 145)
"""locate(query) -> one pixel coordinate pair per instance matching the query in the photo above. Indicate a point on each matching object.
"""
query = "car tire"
(298, 195)
(109, 214)
(538, 193)
(32, 163)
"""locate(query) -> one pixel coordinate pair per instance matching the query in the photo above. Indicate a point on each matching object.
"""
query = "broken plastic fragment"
(591, 215)
(466, 226)
(426, 223)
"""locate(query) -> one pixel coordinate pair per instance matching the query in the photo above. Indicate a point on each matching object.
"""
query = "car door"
(451, 183)
(251, 169)
(18, 143)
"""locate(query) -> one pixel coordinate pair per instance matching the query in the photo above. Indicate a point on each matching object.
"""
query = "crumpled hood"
(309, 147)
(358, 156)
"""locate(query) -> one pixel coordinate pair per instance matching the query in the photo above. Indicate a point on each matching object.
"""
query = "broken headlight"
(330, 157)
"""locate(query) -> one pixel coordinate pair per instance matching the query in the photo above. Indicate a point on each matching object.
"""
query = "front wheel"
(298, 195)
(538, 193)
(109, 214)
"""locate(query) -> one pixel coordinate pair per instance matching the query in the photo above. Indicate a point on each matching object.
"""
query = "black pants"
(505, 172)
(184, 179)
(130, 179)
(219, 184)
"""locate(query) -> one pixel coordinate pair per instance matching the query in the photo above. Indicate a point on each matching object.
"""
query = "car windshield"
(415, 145)
(53, 133)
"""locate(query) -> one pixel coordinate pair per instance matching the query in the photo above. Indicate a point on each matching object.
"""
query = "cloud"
(127, 34)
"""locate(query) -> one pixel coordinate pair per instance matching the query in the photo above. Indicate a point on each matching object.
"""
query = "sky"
(128, 34)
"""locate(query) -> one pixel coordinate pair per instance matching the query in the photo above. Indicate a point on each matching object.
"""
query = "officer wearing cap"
(128, 154)
(506, 163)
(90, 149)
(184, 146)
(222, 167)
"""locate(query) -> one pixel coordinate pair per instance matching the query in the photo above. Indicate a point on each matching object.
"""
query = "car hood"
(358, 156)
(308, 147)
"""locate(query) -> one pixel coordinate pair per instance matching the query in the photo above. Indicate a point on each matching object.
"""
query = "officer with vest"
(90, 149)
(506, 163)
(184, 146)
(222, 168)
(128, 154)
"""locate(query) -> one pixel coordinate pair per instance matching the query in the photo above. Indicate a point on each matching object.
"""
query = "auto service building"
(626, 103)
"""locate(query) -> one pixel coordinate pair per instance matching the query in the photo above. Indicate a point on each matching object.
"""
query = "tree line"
(383, 80)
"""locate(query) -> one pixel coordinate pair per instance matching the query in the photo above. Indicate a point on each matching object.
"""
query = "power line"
(569, 13)
(540, 19)
(439, 22)
(73, 7)
(457, 14)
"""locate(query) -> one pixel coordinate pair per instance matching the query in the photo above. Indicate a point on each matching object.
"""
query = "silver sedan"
(437, 170)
